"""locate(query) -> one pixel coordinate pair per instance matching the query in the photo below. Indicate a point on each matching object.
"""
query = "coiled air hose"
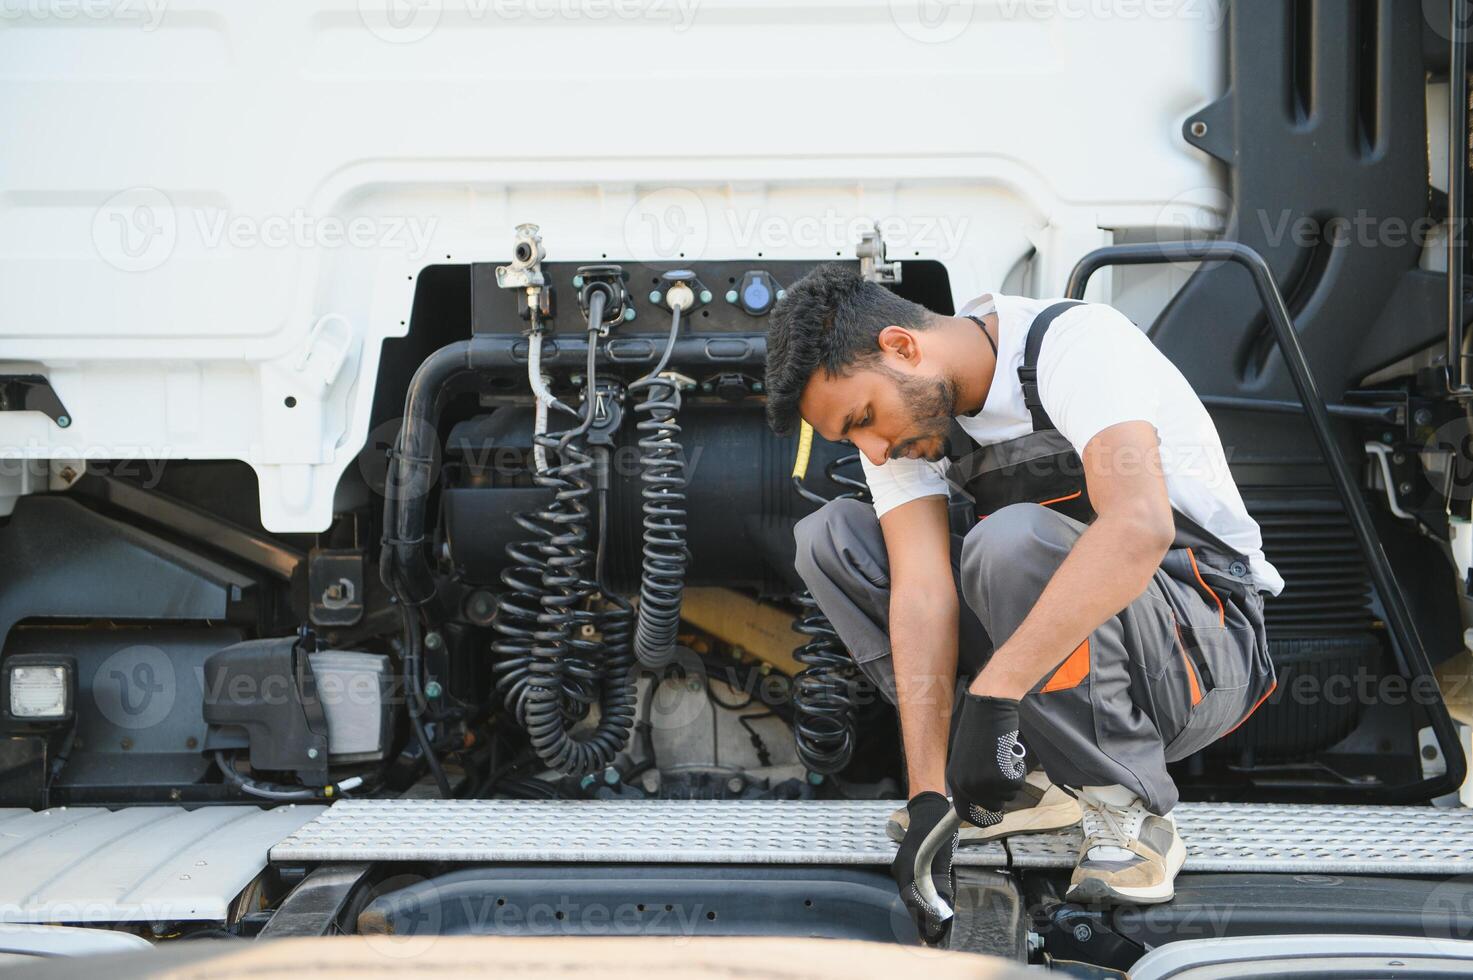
(662, 474)
(824, 708)
(555, 664)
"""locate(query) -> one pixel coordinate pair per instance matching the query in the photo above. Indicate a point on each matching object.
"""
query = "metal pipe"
(1398, 613)
(1386, 415)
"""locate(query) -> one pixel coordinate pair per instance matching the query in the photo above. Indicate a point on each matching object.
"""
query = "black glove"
(926, 811)
(986, 767)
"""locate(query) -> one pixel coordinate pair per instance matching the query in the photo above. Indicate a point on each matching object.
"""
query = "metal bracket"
(32, 393)
(872, 263)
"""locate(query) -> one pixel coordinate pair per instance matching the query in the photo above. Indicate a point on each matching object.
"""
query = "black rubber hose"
(823, 693)
(562, 660)
(824, 707)
(403, 566)
(662, 473)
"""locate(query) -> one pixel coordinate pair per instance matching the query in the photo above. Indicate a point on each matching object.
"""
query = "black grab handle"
(1398, 617)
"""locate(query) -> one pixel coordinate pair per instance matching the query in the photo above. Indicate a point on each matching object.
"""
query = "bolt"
(1199, 129)
(1398, 457)
(705, 296)
(1422, 416)
(731, 295)
(706, 386)
(191, 742)
(586, 782)
(311, 753)
(756, 386)
(735, 784)
(68, 474)
(693, 685)
(782, 294)
(1404, 488)
(629, 314)
(611, 776)
(655, 296)
(650, 780)
(815, 778)
(1388, 438)
(481, 607)
(578, 281)
(126, 743)
(63, 420)
(433, 640)
(1083, 933)
(433, 689)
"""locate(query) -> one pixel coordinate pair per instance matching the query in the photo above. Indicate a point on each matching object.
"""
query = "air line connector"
(534, 295)
(609, 280)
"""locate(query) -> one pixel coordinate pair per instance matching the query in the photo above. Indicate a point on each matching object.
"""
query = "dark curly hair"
(831, 320)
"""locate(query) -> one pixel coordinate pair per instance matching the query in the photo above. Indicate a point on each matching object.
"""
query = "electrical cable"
(824, 704)
(271, 791)
(414, 699)
(662, 473)
(560, 655)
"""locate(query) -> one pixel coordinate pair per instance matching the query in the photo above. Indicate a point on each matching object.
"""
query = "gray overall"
(1185, 663)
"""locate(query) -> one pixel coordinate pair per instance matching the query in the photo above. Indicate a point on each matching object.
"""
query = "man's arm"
(1110, 565)
(923, 634)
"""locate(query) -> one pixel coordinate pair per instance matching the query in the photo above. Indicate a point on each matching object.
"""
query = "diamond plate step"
(1294, 837)
(677, 831)
(1219, 836)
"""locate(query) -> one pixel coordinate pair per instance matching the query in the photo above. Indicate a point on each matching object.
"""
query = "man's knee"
(819, 535)
(1009, 538)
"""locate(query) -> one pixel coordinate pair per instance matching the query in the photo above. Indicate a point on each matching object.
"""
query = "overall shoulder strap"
(1028, 372)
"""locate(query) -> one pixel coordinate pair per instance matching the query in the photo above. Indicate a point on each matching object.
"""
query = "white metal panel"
(143, 864)
(215, 207)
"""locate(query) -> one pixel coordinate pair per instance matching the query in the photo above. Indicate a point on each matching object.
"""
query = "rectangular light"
(38, 691)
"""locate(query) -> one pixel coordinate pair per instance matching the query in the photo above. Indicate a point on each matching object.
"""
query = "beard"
(931, 403)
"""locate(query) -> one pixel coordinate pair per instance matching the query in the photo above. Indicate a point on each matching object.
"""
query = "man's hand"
(926, 811)
(986, 768)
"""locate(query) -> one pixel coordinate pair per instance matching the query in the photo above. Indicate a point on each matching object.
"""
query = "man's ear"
(900, 343)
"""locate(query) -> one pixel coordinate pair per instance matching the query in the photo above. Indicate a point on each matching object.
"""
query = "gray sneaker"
(1130, 856)
(1040, 807)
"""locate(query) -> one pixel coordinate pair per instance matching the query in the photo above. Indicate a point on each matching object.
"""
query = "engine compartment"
(563, 568)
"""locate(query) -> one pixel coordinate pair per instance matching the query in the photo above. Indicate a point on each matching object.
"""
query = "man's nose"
(875, 449)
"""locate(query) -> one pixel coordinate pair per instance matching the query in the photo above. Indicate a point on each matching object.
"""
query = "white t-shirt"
(1096, 369)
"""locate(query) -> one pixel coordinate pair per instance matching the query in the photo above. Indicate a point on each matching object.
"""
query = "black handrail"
(1398, 615)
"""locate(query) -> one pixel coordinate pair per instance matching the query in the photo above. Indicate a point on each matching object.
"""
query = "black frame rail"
(1398, 614)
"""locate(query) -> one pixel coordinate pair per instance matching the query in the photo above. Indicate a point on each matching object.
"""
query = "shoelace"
(1107, 824)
